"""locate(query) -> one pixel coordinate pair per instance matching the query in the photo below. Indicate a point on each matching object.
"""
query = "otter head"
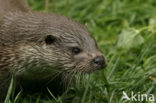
(71, 44)
(51, 41)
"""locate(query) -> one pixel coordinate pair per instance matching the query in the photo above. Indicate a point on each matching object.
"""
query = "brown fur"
(12, 5)
(25, 54)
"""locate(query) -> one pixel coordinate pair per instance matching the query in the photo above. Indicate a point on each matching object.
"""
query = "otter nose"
(100, 60)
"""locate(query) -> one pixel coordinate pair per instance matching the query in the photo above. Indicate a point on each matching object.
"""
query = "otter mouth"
(90, 67)
(91, 70)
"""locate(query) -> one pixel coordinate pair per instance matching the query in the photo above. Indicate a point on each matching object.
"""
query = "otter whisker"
(54, 77)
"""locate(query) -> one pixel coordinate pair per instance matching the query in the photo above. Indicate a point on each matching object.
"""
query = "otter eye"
(50, 39)
(76, 50)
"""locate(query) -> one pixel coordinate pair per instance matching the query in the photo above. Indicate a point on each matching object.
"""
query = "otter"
(38, 48)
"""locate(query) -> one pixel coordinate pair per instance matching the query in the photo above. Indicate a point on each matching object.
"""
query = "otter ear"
(50, 39)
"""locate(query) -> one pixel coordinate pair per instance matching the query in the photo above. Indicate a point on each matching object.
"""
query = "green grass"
(126, 34)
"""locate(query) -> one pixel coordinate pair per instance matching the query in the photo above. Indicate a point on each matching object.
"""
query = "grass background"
(126, 34)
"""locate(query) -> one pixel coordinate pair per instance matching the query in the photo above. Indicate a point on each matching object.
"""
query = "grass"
(126, 34)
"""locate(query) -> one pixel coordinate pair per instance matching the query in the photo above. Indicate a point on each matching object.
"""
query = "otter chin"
(45, 49)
